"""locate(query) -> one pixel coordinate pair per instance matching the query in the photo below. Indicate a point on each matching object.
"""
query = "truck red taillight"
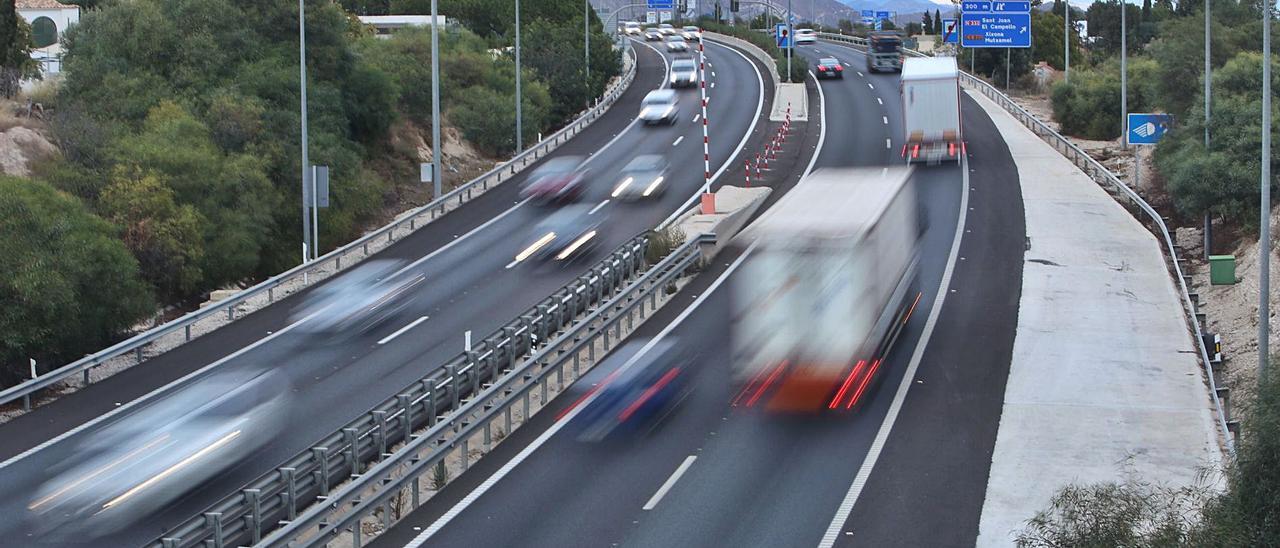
(915, 151)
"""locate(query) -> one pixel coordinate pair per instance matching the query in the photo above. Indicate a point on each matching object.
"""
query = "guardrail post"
(26, 402)
(255, 513)
(453, 384)
(466, 453)
(169, 542)
(430, 387)
(406, 415)
(187, 328)
(475, 374)
(353, 451)
(290, 492)
(137, 353)
(321, 455)
(356, 541)
(380, 431)
(510, 333)
(231, 313)
(213, 521)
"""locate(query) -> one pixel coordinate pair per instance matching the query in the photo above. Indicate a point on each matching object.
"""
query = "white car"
(666, 29)
(806, 36)
(631, 28)
(659, 106)
(676, 43)
(691, 33)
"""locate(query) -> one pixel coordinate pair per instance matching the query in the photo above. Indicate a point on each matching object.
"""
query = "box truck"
(828, 281)
(931, 110)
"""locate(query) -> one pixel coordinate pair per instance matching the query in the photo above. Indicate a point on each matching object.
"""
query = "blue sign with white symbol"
(868, 17)
(1147, 128)
(986, 24)
(783, 35)
(660, 4)
(950, 31)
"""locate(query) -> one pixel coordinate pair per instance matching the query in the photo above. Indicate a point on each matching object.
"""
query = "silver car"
(676, 43)
(666, 29)
(691, 33)
(357, 301)
(659, 106)
(684, 73)
(124, 472)
(643, 177)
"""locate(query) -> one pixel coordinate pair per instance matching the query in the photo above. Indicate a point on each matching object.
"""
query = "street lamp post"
(307, 250)
(1208, 93)
(1066, 40)
(791, 40)
(519, 105)
(436, 146)
(1264, 238)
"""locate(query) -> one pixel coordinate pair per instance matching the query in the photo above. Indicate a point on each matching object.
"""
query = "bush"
(1089, 106)
(68, 284)
(799, 65)
(662, 243)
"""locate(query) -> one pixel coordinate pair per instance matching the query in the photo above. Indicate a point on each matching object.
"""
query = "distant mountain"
(826, 12)
(902, 7)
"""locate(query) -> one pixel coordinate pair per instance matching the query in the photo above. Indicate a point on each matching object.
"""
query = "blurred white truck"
(825, 290)
(931, 110)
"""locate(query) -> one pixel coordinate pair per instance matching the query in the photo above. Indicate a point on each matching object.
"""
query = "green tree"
(928, 23)
(937, 22)
(68, 283)
(163, 236)
(15, 50)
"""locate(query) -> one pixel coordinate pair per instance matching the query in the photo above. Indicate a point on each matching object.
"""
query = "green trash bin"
(1222, 269)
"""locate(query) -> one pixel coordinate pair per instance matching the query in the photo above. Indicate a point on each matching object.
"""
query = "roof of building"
(43, 5)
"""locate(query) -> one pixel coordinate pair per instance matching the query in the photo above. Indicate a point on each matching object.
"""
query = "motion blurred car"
(635, 396)
(659, 106)
(568, 233)
(691, 33)
(359, 300)
(666, 29)
(684, 73)
(121, 474)
(556, 180)
(829, 67)
(631, 28)
(676, 43)
(642, 177)
(652, 35)
(806, 36)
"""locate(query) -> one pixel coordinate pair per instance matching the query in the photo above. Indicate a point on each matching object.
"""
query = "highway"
(470, 283)
(908, 469)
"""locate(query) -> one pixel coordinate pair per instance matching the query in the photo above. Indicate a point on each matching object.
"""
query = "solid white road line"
(512, 264)
(401, 331)
(678, 139)
(864, 471)
(597, 208)
(541, 440)
(671, 482)
(822, 127)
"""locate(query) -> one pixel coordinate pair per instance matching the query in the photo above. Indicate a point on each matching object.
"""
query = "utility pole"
(1066, 40)
(586, 47)
(519, 103)
(1208, 93)
(1124, 79)
(1264, 239)
(307, 250)
(436, 146)
(791, 40)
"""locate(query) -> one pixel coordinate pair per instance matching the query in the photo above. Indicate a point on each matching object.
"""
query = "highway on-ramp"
(908, 469)
(470, 284)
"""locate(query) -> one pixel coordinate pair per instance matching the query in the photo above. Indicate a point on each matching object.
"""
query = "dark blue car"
(635, 395)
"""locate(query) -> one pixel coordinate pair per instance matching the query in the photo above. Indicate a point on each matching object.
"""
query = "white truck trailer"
(825, 290)
(931, 110)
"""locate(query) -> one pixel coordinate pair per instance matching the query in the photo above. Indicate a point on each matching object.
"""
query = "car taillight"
(951, 149)
(822, 68)
(915, 151)
(839, 68)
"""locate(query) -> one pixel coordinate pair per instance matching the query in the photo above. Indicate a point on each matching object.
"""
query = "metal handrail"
(1096, 170)
(334, 258)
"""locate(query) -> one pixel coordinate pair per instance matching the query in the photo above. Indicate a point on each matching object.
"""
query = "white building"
(48, 20)
(384, 25)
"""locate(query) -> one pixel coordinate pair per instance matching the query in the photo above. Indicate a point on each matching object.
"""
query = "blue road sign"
(868, 17)
(986, 24)
(783, 36)
(1146, 128)
(950, 32)
(882, 15)
(660, 4)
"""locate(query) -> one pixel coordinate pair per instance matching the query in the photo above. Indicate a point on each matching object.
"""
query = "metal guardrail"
(1118, 189)
(325, 266)
(373, 495)
(464, 384)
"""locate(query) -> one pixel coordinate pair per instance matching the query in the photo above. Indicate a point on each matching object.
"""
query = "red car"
(829, 67)
(556, 180)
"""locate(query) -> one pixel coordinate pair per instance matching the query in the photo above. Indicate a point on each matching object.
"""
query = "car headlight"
(575, 245)
(622, 186)
(653, 186)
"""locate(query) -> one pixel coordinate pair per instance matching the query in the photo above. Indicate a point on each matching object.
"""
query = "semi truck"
(884, 52)
(931, 110)
(827, 284)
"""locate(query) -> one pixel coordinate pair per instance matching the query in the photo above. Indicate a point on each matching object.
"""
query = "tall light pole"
(791, 40)
(307, 250)
(436, 146)
(586, 48)
(519, 105)
(1124, 79)
(1264, 239)
(1066, 40)
(1208, 94)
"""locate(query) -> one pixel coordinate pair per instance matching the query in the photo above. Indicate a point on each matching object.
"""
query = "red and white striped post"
(746, 168)
(757, 166)
(708, 200)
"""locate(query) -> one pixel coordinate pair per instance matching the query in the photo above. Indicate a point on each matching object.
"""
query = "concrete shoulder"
(1104, 382)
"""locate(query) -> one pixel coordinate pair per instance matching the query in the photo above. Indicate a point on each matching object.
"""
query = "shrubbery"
(799, 65)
